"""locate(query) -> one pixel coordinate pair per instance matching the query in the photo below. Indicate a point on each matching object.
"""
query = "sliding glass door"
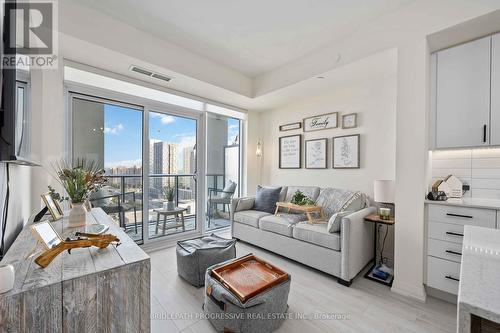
(152, 153)
(172, 174)
(110, 134)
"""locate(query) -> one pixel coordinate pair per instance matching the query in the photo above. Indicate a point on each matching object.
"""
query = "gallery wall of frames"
(338, 152)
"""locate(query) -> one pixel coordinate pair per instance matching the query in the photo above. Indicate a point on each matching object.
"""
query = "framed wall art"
(321, 122)
(290, 152)
(349, 120)
(346, 152)
(289, 127)
(316, 153)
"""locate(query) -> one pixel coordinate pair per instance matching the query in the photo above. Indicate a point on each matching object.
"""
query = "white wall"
(375, 103)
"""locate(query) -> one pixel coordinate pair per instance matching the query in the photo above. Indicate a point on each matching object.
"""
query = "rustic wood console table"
(89, 290)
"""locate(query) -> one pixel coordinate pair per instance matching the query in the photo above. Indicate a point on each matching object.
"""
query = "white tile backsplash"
(479, 168)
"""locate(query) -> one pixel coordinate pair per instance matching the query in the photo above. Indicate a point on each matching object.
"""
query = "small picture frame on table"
(53, 206)
(46, 234)
(316, 153)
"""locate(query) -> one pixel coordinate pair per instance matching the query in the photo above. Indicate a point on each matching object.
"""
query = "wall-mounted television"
(15, 122)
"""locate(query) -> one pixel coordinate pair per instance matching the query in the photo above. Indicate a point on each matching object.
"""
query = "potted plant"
(299, 198)
(79, 181)
(168, 193)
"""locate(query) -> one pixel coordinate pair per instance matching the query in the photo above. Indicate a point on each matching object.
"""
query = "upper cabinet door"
(495, 90)
(463, 95)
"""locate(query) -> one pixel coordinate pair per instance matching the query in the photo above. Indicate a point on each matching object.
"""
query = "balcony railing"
(127, 190)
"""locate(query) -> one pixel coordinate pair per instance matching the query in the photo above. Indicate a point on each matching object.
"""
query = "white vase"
(77, 215)
(169, 205)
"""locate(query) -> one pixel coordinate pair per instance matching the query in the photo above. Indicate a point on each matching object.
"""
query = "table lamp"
(383, 193)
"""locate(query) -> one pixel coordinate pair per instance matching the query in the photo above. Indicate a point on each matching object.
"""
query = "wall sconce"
(258, 151)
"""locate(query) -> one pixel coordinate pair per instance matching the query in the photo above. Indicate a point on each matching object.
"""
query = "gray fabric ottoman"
(194, 256)
(262, 313)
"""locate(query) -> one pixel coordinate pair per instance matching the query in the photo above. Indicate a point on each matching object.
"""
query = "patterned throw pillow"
(266, 199)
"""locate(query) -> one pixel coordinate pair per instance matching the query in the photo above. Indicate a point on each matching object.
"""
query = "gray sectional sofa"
(342, 254)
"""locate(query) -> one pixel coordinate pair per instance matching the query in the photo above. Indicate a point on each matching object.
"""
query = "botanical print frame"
(346, 152)
(316, 153)
(290, 127)
(321, 122)
(349, 120)
(290, 152)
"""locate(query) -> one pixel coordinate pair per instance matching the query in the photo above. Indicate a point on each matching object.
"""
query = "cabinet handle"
(459, 215)
(484, 133)
(454, 234)
(453, 252)
(449, 277)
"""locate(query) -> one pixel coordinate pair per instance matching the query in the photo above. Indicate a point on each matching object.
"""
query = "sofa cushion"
(334, 200)
(249, 217)
(266, 199)
(277, 224)
(316, 234)
(311, 191)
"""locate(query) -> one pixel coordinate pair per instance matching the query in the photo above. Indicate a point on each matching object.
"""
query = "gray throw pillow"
(266, 199)
(334, 222)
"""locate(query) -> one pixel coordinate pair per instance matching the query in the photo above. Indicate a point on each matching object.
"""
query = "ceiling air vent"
(149, 73)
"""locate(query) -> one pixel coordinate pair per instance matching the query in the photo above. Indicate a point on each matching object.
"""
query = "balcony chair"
(219, 197)
(103, 198)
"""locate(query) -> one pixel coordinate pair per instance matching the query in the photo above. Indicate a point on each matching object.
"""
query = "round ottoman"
(262, 313)
(194, 256)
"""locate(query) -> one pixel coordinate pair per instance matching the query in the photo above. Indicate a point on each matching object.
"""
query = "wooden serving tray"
(249, 276)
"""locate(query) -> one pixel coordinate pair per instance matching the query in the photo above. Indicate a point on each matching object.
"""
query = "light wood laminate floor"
(367, 306)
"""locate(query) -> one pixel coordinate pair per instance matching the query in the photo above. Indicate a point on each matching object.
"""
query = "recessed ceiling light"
(320, 77)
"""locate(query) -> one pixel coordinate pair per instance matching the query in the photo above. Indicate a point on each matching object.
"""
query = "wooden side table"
(374, 218)
(307, 209)
(176, 212)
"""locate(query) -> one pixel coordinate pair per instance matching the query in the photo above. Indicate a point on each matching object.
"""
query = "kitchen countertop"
(469, 202)
(479, 291)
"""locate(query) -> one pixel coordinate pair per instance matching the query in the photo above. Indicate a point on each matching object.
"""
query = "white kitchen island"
(479, 287)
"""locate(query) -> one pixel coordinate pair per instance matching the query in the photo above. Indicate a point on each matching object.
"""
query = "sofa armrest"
(356, 243)
(234, 205)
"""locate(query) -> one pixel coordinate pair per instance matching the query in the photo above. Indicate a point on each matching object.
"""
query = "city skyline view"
(123, 136)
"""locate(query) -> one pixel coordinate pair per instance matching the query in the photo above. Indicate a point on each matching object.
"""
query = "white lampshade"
(383, 191)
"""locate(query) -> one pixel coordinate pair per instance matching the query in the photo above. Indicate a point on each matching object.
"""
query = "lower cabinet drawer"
(446, 231)
(444, 250)
(443, 274)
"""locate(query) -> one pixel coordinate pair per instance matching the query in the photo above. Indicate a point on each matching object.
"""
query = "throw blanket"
(337, 200)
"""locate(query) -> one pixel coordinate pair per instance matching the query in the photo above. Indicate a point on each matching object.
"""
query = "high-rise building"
(162, 160)
(186, 163)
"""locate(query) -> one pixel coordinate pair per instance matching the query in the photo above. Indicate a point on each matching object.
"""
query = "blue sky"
(123, 134)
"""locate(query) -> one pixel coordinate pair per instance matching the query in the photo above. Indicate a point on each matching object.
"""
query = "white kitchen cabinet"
(495, 90)
(463, 95)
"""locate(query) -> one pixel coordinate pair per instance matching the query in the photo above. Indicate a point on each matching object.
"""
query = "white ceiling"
(252, 37)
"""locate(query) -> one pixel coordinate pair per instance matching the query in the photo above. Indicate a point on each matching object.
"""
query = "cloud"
(187, 141)
(113, 130)
(165, 119)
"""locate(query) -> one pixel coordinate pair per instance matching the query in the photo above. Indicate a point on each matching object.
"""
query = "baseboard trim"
(415, 292)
